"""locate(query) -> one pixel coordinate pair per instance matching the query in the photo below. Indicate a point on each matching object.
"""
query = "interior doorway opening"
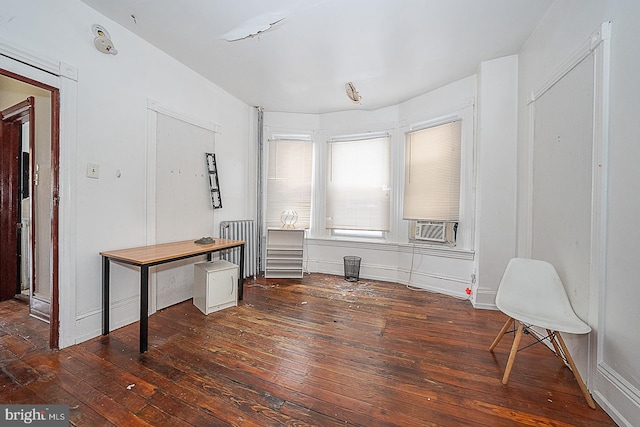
(25, 239)
(29, 167)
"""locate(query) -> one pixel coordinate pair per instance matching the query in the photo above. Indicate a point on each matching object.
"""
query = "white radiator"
(241, 230)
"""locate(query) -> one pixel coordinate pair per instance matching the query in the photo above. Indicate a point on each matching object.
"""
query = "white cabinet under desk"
(285, 247)
(215, 285)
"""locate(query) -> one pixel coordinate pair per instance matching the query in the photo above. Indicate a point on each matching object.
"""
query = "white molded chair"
(532, 293)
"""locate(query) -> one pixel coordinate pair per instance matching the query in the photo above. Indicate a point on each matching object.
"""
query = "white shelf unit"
(285, 247)
(215, 285)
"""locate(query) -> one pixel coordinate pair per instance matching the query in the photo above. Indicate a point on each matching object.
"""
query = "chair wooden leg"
(512, 355)
(555, 345)
(576, 374)
(501, 333)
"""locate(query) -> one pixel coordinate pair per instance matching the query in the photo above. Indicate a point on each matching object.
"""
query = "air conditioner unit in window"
(433, 231)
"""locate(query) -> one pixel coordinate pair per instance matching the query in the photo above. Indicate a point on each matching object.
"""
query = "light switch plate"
(93, 170)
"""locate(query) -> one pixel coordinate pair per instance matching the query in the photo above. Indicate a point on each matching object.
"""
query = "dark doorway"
(16, 122)
(29, 188)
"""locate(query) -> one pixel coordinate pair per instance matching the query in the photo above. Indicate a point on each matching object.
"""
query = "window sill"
(381, 245)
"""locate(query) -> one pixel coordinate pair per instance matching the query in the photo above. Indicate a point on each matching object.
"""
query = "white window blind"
(289, 181)
(358, 184)
(432, 173)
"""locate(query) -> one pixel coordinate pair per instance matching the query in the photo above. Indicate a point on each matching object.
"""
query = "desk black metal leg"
(241, 274)
(144, 307)
(105, 295)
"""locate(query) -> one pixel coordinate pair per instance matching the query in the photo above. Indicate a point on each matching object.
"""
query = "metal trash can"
(352, 268)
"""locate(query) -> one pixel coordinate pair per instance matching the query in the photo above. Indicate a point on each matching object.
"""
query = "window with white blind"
(357, 193)
(289, 178)
(432, 173)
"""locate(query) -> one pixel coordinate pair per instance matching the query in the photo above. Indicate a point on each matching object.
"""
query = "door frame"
(54, 332)
(13, 118)
(597, 45)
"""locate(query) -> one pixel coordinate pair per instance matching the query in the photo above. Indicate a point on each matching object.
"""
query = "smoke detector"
(352, 93)
(102, 41)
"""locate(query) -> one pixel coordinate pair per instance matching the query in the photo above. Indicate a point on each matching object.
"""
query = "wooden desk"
(149, 256)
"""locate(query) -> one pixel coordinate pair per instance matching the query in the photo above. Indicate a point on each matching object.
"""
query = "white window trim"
(290, 137)
(466, 223)
(347, 234)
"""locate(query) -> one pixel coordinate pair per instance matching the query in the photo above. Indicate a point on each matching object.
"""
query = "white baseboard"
(123, 313)
(611, 387)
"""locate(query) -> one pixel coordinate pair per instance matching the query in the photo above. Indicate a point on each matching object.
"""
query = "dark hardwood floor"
(315, 351)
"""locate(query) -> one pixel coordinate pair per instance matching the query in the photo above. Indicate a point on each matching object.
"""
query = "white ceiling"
(392, 50)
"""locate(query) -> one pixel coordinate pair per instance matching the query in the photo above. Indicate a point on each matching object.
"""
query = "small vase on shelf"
(289, 219)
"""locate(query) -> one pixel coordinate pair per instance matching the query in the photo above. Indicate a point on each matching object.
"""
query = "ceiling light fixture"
(352, 93)
(103, 41)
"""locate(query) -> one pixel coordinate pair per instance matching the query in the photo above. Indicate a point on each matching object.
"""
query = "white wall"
(108, 126)
(620, 341)
(614, 368)
(496, 182)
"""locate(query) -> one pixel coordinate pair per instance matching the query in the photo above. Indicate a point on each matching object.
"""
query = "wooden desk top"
(168, 251)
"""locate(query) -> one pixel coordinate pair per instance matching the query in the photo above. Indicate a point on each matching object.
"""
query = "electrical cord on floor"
(417, 289)
(305, 250)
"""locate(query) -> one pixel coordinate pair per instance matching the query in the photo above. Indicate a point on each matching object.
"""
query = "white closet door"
(562, 180)
(183, 201)
(563, 188)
